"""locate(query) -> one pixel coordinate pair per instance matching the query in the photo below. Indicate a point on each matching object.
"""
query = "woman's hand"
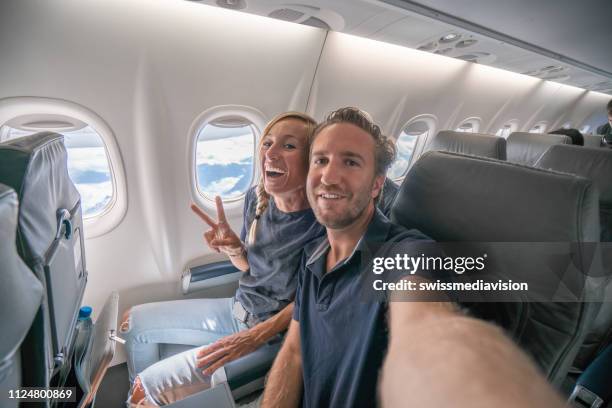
(227, 349)
(220, 237)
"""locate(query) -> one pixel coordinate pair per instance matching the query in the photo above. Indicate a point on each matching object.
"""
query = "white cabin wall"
(149, 69)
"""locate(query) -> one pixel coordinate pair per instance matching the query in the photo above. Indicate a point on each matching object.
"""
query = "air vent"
(465, 43)
(316, 22)
(430, 46)
(558, 77)
(232, 4)
(443, 51)
(480, 57)
(469, 57)
(286, 14)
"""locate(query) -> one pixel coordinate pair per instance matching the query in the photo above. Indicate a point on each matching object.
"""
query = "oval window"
(538, 128)
(225, 151)
(405, 144)
(471, 125)
(507, 129)
(88, 164)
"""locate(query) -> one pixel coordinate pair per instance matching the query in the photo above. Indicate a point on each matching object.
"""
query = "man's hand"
(220, 237)
(227, 349)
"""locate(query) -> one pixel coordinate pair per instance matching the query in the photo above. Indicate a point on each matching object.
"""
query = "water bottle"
(83, 328)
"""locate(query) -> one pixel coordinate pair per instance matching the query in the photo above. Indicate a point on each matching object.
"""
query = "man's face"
(341, 181)
(610, 117)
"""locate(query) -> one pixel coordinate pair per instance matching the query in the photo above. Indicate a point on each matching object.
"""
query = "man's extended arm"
(439, 357)
(284, 386)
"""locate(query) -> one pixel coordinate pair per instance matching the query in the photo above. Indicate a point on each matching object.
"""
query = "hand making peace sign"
(220, 237)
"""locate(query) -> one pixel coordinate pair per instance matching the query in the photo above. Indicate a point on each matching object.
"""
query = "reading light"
(449, 37)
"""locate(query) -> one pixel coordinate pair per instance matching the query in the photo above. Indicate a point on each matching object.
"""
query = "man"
(606, 129)
(336, 343)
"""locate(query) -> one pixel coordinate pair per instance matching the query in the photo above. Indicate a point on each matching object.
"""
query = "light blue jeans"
(159, 329)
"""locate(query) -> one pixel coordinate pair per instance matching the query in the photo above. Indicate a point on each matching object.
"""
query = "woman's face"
(283, 155)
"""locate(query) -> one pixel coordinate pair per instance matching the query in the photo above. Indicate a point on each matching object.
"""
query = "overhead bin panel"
(395, 84)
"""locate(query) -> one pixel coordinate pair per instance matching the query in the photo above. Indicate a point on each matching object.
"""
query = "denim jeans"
(156, 327)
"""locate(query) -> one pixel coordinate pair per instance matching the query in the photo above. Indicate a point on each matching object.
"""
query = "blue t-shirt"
(343, 335)
(274, 258)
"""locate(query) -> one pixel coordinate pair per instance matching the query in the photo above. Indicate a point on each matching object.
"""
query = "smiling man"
(337, 341)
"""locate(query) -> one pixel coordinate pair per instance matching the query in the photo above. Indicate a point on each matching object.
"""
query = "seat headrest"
(20, 291)
(594, 164)
(477, 144)
(489, 200)
(35, 167)
(526, 148)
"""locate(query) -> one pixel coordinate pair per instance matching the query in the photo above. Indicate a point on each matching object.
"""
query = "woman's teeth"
(274, 171)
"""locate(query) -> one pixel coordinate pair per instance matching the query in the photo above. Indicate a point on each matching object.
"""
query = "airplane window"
(538, 128)
(224, 158)
(469, 126)
(405, 144)
(88, 164)
(507, 129)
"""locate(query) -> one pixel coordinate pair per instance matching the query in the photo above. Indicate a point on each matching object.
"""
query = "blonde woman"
(278, 223)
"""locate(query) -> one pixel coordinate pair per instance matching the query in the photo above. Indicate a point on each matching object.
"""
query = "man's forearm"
(437, 357)
(284, 385)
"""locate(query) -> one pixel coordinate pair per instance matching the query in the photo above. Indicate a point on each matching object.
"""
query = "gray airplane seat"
(596, 165)
(528, 221)
(592, 140)
(50, 242)
(20, 298)
(527, 148)
(476, 144)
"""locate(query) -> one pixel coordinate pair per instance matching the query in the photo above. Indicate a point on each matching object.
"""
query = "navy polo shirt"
(343, 335)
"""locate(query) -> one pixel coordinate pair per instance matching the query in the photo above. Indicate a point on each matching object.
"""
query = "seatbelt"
(594, 386)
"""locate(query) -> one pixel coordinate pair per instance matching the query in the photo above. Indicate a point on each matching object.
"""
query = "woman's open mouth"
(274, 172)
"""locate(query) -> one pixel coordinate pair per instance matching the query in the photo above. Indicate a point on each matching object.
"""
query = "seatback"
(592, 141)
(50, 241)
(477, 144)
(527, 148)
(20, 298)
(596, 165)
(497, 202)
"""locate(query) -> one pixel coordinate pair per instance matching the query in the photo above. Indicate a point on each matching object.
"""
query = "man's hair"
(385, 150)
(609, 106)
(574, 134)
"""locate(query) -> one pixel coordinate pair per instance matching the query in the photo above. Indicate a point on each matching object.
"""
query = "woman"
(278, 223)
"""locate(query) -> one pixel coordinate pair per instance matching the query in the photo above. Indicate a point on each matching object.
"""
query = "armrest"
(246, 374)
(593, 386)
(205, 276)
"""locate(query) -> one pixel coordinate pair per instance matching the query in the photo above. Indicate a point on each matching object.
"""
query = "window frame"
(258, 122)
(539, 123)
(419, 147)
(474, 120)
(102, 223)
(514, 126)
